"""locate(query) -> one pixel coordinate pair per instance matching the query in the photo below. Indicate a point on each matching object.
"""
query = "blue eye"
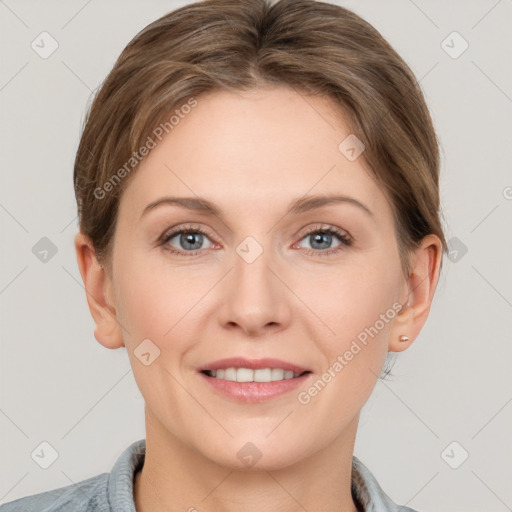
(320, 241)
(190, 240)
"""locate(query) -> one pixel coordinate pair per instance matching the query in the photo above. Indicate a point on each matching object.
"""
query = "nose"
(254, 298)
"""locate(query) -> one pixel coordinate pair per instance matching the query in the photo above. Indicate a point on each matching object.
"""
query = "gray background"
(60, 386)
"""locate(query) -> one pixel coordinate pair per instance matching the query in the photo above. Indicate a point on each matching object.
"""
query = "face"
(256, 278)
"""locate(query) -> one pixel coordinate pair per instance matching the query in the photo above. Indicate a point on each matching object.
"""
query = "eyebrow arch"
(297, 206)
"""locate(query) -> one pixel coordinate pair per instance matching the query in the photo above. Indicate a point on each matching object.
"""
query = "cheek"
(156, 303)
(355, 306)
(155, 300)
(356, 312)
(357, 291)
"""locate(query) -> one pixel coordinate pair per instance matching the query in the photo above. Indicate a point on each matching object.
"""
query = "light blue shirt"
(113, 492)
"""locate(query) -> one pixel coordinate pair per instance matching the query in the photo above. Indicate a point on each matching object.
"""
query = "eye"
(189, 240)
(320, 240)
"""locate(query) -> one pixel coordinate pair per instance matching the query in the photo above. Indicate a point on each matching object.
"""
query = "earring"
(404, 338)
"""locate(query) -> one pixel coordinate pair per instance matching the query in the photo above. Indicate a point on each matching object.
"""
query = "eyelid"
(326, 227)
(178, 228)
(345, 240)
(343, 236)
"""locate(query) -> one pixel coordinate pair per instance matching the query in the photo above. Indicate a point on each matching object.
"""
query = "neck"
(177, 477)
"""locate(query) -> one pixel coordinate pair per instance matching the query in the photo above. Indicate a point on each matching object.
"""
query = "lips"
(253, 364)
(255, 392)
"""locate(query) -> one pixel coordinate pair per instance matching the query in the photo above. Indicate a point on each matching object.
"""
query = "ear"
(420, 287)
(99, 293)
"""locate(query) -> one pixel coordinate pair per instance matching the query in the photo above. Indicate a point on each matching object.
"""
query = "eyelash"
(345, 240)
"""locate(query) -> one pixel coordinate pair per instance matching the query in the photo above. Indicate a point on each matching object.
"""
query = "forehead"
(253, 149)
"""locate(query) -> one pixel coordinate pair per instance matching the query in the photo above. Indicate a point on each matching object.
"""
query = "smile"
(249, 375)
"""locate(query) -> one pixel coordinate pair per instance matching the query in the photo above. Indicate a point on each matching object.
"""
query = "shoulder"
(368, 493)
(86, 496)
(101, 493)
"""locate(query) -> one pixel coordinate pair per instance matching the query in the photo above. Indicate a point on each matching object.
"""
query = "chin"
(243, 454)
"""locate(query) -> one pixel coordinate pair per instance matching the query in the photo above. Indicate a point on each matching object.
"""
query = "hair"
(316, 48)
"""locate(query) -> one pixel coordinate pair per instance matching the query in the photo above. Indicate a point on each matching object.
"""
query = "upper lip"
(254, 364)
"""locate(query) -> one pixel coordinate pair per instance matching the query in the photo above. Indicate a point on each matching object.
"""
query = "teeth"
(248, 375)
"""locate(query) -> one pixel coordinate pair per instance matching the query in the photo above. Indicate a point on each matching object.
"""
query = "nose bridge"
(252, 271)
(251, 276)
(254, 297)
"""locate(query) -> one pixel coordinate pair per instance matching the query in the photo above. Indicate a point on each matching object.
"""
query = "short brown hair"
(315, 47)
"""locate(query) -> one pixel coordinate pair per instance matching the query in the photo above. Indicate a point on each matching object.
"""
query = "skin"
(252, 154)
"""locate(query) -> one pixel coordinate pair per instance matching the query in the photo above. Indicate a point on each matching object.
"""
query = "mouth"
(249, 375)
(253, 380)
(241, 369)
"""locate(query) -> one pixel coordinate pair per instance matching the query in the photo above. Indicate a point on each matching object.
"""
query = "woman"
(257, 189)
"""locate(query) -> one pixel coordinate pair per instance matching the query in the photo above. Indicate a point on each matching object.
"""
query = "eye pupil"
(322, 237)
(190, 238)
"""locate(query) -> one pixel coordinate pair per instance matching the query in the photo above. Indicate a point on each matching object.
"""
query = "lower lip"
(253, 392)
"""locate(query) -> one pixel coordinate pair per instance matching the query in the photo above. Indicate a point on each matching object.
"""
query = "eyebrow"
(297, 206)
